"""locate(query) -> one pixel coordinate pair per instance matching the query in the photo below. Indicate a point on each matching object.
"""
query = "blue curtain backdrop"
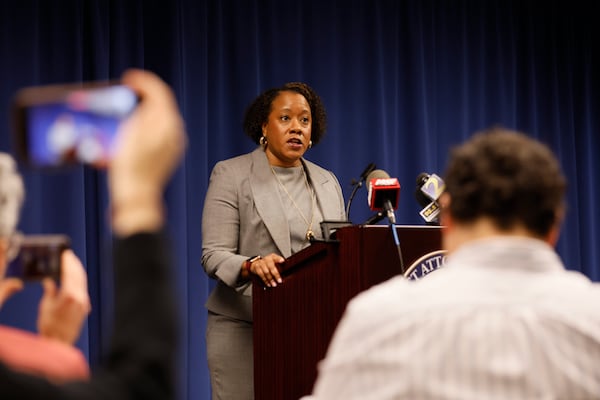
(402, 81)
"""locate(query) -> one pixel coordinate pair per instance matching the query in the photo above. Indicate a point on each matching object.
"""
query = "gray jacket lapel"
(325, 190)
(268, 203)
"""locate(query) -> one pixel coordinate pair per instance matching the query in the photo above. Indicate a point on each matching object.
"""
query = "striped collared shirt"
(502, 319)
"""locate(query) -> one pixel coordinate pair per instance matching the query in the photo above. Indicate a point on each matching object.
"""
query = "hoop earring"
(263, 141)
(309, 144)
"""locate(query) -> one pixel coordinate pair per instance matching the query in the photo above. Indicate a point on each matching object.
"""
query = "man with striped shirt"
(503, 319)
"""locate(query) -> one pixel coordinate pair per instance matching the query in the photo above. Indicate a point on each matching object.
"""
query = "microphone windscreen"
(377, 174)
(422, 178)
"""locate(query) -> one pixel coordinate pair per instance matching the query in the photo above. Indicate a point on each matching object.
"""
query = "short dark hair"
(508, 177)
(258, 111)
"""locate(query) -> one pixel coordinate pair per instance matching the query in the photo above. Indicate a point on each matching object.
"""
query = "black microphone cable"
(357, 184)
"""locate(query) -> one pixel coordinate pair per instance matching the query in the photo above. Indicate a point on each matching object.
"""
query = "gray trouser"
(230, 358)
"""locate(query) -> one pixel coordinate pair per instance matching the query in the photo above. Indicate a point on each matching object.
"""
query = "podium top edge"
(404, 226)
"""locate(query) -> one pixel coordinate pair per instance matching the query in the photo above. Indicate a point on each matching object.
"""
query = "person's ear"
(450, 233)
(445, 216)
(554, 233)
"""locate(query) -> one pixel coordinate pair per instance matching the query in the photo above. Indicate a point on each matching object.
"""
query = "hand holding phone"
(39, 257)
(56, 125)
(63, 309)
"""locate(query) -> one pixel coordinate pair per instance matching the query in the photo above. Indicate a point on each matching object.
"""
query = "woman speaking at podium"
(261, 208)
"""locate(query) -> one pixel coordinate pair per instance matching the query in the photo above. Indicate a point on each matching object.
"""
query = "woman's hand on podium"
(266, 269)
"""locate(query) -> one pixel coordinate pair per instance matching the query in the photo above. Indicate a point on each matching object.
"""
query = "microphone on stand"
(357, 184)
(419, 195)
(384, 193)
(427, 192)
(383, 196)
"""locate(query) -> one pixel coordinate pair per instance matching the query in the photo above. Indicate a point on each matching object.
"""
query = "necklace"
(309, 232)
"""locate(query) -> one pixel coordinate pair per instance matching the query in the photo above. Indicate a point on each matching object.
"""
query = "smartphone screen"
(39, 257)
(57, 125)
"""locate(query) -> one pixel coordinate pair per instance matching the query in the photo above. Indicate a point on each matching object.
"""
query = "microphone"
(419, 195)
(428, 191)
(383, 193)
(357, 184)
(363, 176)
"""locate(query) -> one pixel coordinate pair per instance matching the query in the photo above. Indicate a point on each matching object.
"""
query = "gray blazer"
(243, 217)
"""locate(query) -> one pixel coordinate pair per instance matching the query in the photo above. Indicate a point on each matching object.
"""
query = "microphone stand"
(397, 242)
(389, 213)
(375, 218)
(392, 218)
(357, 185)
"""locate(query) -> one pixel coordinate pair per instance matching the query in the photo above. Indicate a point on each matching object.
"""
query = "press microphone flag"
(383, 193)
(421, 198)
(430, 212)
(382, 188)
(432, 188)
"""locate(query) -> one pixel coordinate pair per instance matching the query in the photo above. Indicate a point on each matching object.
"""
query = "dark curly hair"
(508, 177)
(258, 111)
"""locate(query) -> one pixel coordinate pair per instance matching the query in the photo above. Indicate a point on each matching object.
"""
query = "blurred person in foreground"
(61, 313)
(503, 319)
(261, 208)
(140, 361)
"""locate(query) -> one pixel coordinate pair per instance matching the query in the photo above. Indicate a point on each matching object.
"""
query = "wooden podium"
(294, 322)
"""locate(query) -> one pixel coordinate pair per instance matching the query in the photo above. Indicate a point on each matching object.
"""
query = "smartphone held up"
(38, 257)
(56, 125)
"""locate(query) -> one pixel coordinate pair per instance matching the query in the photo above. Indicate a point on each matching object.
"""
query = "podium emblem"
(425, 265)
